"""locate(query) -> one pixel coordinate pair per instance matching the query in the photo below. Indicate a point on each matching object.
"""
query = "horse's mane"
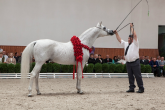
(84, 33)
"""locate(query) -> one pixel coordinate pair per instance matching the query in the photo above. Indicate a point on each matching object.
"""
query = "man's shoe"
(140, 91)
(130, 90)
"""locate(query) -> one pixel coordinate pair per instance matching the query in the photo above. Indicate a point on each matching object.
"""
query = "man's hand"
(115, 32)
(131, 25)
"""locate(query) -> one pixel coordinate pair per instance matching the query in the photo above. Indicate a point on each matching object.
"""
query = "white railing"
(56, 75)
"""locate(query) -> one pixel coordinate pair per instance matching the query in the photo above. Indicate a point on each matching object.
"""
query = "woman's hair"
(114, 57)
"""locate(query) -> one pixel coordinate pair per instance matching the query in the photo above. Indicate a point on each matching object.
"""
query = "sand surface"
(99, 94)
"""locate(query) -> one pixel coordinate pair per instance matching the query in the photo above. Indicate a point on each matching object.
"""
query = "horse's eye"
(104, 28)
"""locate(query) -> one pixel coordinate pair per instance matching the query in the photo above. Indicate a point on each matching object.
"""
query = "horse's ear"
(99, 24)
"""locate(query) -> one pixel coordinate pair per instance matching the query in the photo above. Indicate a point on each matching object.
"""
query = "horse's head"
(103, 30)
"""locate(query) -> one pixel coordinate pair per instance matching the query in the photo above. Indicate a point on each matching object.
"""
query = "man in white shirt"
(132, 58)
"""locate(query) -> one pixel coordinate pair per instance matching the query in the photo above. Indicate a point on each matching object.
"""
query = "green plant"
(32, 66)
(105, 67)
(65, 68)
(98, 68)
(17, 68)
(85, 69)
(11, 68)
(44, 68)
(70, 68)
(90, 68)
(49, 67)
(142, 68)
(56, 67)
(3, 67)
(112, 68)
(125, 68)
(119, 68)
(148, 69)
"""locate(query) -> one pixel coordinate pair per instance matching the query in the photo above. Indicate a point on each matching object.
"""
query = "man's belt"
(133, 61)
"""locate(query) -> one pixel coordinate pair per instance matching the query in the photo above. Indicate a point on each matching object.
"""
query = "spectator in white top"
(158, 59)
(132, 58)
(5, 56)
(122, 61)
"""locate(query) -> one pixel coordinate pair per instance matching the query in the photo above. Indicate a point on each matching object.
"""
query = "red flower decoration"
(77, 46)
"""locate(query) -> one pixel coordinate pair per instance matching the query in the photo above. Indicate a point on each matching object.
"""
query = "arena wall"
(23, 21)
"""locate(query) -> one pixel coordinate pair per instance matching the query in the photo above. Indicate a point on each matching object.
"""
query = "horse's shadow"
(76, 94)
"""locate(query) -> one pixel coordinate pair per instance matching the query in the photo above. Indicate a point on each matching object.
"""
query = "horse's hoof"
(38, 93)
(29, 95)
(80, 92)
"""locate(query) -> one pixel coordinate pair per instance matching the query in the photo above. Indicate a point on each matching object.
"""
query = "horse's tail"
(27, 55)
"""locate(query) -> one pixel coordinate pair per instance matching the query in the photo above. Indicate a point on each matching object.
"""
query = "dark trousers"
(161, 68)
(156, 71)
(134, 71)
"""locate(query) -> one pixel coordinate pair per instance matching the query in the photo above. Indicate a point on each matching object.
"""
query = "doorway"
(161, 40)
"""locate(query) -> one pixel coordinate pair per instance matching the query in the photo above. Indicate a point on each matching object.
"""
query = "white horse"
(58, 52)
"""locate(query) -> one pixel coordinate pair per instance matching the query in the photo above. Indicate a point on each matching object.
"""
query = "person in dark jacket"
(96, 60)
(142, 60)
(100, 59)
(146, 61)
(107, 59)
(155, 67)
(91, 59)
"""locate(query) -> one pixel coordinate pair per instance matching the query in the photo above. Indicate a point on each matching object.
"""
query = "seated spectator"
(16, 57)
(142, 60)
(96, 60)
(146, 61)
(1, 57)
(155, 67)
(107, 59)
(93, 50)
(150, 59)
(5, 56)
(91, 59)
(1, 50)
(161, 65)
(11, 60)
(122, 61)
(158, 59)
(115, 59)
(19, 59)
(119, 57)
(100, 59)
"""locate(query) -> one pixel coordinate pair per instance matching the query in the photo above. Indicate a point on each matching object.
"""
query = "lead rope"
(129, 14)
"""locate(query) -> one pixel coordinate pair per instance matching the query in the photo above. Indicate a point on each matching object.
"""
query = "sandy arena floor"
(99, 94)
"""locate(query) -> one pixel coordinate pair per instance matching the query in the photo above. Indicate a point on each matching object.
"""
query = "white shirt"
(133, 51)
(122, 61)
(0, 60)
(5, 56)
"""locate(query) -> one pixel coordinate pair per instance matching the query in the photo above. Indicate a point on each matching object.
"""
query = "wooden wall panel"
(119, 51)
(103, 51)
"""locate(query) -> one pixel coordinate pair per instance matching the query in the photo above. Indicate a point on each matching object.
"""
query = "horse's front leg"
(79, 77)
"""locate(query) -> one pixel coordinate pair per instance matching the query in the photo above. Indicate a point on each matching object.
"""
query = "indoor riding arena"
(82, 55)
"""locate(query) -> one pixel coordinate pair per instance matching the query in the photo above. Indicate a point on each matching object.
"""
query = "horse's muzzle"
(110, 32)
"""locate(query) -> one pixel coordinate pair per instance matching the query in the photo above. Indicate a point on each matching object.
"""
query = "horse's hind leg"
(37, 87)
(34, 72)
